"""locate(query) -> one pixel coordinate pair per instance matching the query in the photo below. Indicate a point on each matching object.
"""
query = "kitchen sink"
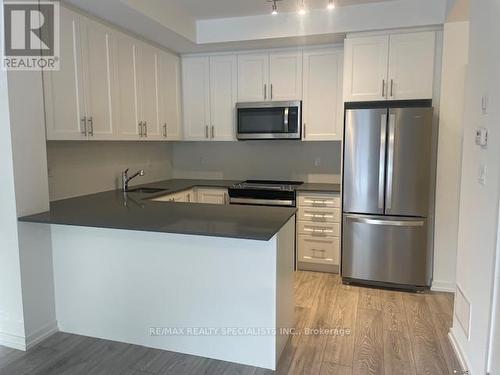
(146, 190)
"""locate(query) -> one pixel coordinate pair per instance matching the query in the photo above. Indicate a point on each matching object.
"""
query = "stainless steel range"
(264, 193)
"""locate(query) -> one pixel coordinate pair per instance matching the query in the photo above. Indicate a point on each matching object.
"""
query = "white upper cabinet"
(322, 107)
(223, 95)
(285, 75)
(146, 79)
(169, 100)
(266, 76)
(411, 66)
(365, 68)
(253, 77)
(125, 103)
(196, 97)
(389, 67)
(64, 106)
(111, 86)
(96, 41)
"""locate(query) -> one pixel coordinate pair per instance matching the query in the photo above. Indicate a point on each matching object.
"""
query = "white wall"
(32, 196)
(478, 229)
(11, 309)
(258, 160)
(79, 168)
(494, 360)
(455, 58)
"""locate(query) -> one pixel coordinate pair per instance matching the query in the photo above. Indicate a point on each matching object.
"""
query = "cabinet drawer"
(319, 200)
(321, 215)
(318, 229)
(318, 250)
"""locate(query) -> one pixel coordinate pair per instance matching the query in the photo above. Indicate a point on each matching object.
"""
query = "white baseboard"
(443, 286)
(13, 341)
(41, 334)
(456, 348)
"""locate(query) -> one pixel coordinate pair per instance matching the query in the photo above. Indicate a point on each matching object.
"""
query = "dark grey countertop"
(135, 211)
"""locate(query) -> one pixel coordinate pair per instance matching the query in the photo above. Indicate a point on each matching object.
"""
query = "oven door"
(269, 120)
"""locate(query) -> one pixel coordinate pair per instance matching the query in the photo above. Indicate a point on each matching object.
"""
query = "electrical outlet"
(317, 162)
(203, 160)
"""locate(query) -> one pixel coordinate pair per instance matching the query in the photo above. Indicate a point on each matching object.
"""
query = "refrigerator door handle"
(390, 160)
(381, 167)
(393, 223)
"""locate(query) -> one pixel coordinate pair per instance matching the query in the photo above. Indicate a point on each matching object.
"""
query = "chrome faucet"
(126, 179)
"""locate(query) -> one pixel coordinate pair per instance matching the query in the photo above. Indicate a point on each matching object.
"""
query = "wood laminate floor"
(364, 331)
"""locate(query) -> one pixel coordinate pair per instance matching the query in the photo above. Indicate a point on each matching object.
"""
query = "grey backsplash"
(79, 168)
(287, 160)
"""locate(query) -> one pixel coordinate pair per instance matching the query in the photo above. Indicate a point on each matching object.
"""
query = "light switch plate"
(482, 174)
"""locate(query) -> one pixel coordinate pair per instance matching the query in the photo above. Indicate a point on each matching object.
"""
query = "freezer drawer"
(386, 249)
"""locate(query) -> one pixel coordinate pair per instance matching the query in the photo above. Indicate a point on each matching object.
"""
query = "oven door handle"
(285, 119)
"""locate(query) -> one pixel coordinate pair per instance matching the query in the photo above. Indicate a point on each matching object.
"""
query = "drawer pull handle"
(319, 216)
(315, 230)
(318, 202)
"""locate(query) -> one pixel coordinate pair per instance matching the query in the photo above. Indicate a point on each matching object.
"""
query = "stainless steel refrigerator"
(387, 177)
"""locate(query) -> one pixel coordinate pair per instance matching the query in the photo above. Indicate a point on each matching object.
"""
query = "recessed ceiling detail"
(207, 9)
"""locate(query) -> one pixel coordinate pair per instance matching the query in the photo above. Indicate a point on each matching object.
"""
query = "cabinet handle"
(383, 88)
(140, 129)
(392, 88)
(145, 129)
(265, 91)
(271, 91)
(84, 125)
(304, 130)
(165, 130)
(91, 123)
(213, 132)
(206, 131)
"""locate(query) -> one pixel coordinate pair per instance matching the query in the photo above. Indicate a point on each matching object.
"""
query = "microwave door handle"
(285, 119)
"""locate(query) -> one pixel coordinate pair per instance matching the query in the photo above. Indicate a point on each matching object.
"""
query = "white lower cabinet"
(318, 232)
(212, 196)
(186, 196)
(197, 195)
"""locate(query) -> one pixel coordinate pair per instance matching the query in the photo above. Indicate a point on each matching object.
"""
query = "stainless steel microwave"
(269, 120)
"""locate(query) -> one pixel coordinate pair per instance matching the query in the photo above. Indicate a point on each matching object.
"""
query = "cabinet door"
(146, 69)
(411, 66)
(322, 107)
(223, 93)
(365, 68)
(212, 196)
(253, 77)
(169, 100)
(64, 106)
(285, 75)
(98, 78)
(196, 97)
(125, 98)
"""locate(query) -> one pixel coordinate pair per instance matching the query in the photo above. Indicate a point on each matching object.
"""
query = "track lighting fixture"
(302, 8)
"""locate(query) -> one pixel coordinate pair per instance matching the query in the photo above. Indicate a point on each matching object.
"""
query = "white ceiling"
(208, 9)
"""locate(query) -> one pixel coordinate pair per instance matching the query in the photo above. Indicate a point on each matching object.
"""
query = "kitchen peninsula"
(131, 269)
